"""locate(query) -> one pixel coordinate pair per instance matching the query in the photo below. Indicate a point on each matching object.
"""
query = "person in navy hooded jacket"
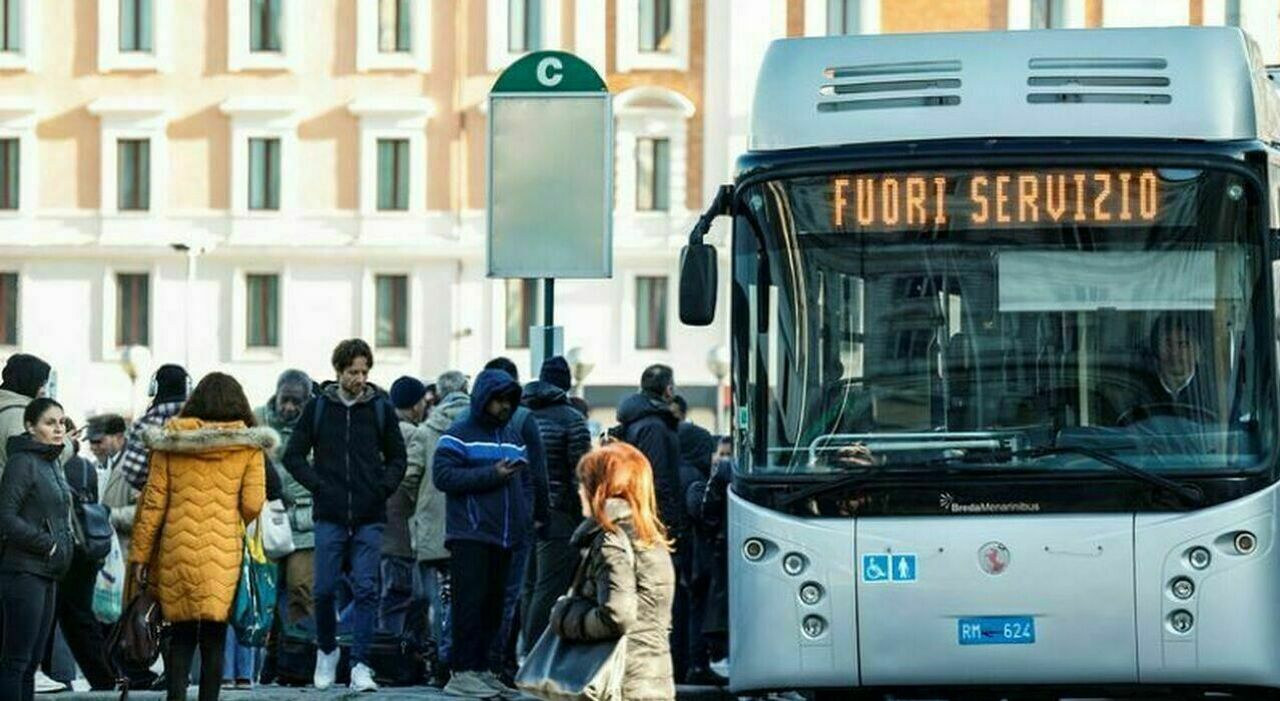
(478, 465)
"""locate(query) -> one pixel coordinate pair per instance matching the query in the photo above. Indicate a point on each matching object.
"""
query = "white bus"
(1004, 364)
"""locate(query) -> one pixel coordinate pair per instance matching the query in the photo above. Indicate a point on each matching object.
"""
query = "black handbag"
(564, 670)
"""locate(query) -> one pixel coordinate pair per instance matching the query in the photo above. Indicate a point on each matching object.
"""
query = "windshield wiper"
(1187, 492)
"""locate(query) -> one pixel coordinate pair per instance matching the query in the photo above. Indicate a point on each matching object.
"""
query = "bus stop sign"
(550, 170)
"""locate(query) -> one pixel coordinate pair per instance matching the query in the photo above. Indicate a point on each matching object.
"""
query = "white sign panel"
(550, 185)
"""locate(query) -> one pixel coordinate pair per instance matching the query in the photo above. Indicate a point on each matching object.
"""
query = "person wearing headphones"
(169, 388)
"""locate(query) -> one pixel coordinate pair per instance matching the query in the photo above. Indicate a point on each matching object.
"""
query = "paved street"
(276, 693)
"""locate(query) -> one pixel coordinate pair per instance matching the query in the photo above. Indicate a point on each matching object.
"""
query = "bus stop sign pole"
(550, 180)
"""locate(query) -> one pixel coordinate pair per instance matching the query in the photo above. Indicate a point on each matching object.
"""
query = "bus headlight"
(810, 593)
(753, 549)
(1182, 588)
(1245, 542)
(793, 563)
(1199, 557)
(813, 626)
(1181, 621)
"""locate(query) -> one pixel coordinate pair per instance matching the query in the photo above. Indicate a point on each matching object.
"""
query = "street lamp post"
(136, 361)
(193, 253)
(719, 363)
(581, 362)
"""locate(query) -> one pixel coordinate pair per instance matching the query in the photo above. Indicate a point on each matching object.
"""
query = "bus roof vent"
(1084, 80)
(874, 86)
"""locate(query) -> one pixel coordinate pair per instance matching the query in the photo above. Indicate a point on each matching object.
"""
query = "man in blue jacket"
(353, 433)
(478, 464)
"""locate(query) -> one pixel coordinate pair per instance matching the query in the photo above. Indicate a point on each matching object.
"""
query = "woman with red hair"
(628, 581)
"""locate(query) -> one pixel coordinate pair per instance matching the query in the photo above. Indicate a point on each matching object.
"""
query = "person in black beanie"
(169, 389)
(25, 377)
(565, 439)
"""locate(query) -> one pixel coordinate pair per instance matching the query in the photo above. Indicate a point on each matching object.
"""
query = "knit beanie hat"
(555, 371)
(25, 374)
(407, 392)
(171, 384)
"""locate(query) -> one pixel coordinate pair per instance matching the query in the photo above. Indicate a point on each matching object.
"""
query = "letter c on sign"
(545, 74)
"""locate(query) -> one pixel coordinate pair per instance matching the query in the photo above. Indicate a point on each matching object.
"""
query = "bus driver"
(1177, 385)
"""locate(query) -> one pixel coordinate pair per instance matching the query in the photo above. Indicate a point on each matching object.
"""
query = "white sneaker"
(469, 685)
(326, 668)
(362, 678)
(496, 684)
(45, 685)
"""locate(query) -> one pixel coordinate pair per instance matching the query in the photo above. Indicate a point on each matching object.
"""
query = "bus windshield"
(966, 318)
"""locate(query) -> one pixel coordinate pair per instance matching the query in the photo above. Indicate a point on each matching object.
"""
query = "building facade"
(237, 185)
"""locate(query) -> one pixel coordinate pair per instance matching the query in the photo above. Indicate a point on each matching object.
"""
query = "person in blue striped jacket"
(482, 465)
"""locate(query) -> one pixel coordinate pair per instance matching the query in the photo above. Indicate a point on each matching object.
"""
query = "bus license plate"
(998, 630)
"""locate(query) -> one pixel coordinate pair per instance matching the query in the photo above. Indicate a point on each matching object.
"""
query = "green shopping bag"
(255, 605)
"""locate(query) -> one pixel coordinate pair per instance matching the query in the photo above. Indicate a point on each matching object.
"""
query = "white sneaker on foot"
(362, 678)
(45, 685)
(469, 685)
(496, 684)
(326, 668)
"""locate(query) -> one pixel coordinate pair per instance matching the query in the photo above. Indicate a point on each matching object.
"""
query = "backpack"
(91, 525)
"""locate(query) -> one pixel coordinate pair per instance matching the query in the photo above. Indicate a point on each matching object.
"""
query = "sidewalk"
(284, 693)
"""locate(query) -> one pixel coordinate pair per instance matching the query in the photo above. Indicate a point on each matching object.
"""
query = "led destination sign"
(996, 199)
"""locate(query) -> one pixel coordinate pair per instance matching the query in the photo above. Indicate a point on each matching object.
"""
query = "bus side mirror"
(698, 284)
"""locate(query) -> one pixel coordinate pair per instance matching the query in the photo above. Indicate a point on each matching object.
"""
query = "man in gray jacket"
(431, 577)
(25, 377)
(281, 413)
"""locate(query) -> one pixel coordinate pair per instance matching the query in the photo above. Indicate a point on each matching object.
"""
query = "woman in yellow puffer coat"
(207, 480)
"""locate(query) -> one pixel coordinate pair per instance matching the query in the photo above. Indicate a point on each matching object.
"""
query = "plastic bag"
(276, 530)
(108, 589)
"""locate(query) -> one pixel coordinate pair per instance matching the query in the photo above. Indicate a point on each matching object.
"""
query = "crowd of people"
(438, 529)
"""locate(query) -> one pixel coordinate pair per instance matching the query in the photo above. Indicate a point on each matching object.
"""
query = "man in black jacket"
(359, 459)
(648, 423)
(565, 439)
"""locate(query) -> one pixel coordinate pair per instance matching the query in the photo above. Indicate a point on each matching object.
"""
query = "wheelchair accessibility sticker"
(883, 567)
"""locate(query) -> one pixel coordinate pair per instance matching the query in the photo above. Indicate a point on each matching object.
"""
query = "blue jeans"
(360, 548)
(431, 584)
(237, 659)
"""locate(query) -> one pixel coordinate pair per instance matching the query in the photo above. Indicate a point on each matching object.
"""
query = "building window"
(655, 26)
(133, 302)
(522, 311)
(264, 25)
(844, 17)
(395, 26)
(263, 315)
(653, 175)
(393, 175)
(135, 25)
(524, 26)
(11, 25)
(134, 162)
(393, 311)
(264, 174)
(9, 173)
(651, 313)
(1046, 14)
(9, 309)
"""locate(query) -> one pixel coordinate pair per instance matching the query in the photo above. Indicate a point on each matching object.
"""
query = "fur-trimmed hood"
(187, 435)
